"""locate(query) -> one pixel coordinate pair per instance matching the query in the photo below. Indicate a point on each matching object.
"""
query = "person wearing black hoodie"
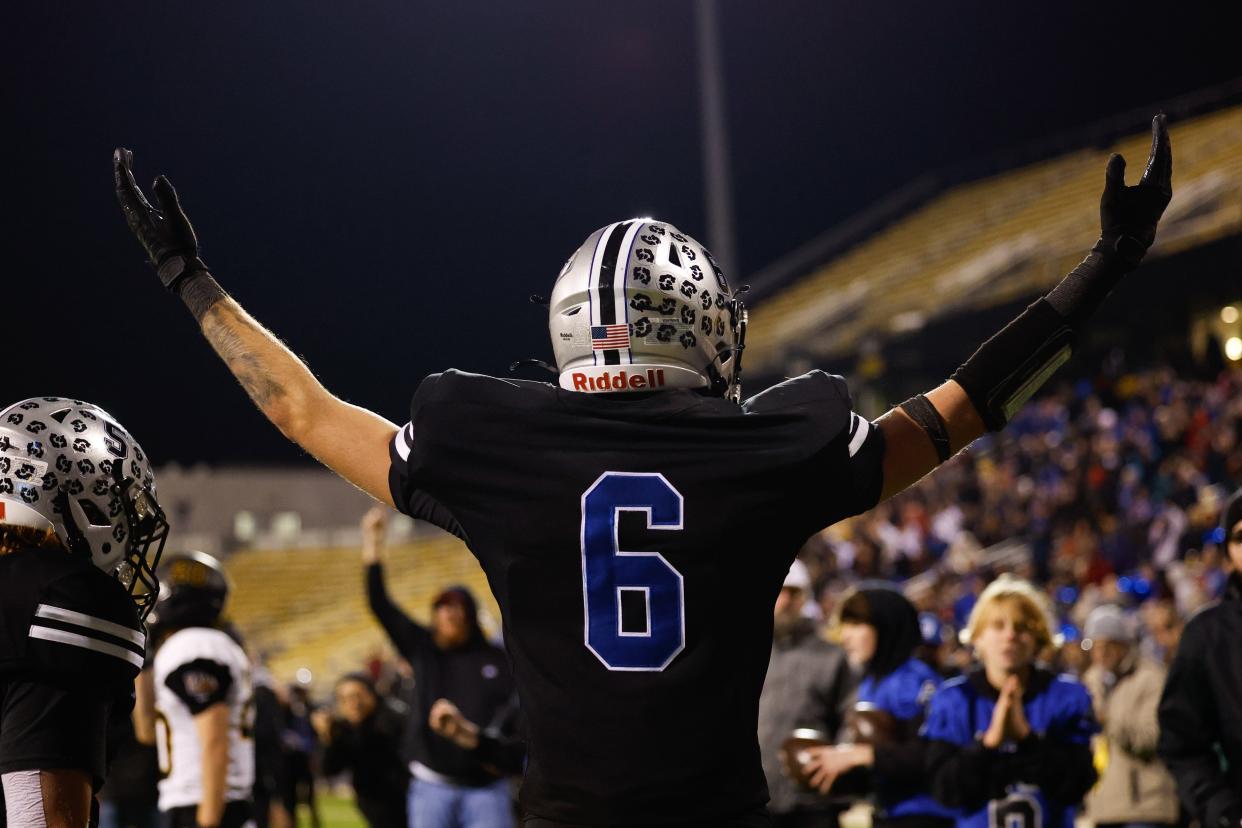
(363, 735)
(1201, 708)
(879, 632)
(452, 786)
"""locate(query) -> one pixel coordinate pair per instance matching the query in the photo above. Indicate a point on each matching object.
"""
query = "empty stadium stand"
(994, 240)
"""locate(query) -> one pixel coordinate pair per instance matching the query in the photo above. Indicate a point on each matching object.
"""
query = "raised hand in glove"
(164, 232)
(1128, 215)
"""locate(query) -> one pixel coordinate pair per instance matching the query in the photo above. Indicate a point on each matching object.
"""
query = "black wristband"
(928, 418)
(1007, 369)
(200, 292)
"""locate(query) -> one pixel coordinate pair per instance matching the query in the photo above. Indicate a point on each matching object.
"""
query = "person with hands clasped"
(1009, 741)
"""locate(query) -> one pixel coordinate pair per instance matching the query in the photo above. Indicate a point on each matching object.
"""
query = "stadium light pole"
(717, 185)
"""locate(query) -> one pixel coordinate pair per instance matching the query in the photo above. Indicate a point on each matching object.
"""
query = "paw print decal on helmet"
(688, 339)
(642, 327)
(641, 302)
(667, 281)
(642, 274)
(687, 314)
(696, 273)
(688, 289)
(665, 332)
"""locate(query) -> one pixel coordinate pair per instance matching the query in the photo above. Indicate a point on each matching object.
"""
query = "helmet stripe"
(622, 291)
(607, 282)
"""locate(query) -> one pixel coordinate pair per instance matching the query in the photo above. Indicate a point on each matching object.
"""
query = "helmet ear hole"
(574, 311)
(94, 515)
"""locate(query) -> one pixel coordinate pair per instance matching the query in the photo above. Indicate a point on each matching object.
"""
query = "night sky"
(384, 183)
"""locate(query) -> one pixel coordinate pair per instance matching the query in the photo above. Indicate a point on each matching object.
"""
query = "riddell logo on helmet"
(620, 381)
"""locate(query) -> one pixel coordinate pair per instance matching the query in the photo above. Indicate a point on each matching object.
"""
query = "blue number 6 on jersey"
(608, 571)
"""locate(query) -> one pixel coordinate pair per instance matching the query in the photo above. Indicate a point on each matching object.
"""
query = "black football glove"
(1129, 215)
(165, 233)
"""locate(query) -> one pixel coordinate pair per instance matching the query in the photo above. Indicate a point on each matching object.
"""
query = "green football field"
(334, 812)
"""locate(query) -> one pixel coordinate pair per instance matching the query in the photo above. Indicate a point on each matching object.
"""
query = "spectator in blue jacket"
(1009, 741)
(880, 632)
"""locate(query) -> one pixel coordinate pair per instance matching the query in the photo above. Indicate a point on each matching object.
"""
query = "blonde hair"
(1032, 604)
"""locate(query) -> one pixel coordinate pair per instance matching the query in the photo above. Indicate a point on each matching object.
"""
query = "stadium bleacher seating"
(995, 240)
(307, 608)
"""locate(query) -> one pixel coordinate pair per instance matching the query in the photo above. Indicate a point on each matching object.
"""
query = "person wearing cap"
(453, 786)
(808, 685)
(1134, 788)
(1201, 708)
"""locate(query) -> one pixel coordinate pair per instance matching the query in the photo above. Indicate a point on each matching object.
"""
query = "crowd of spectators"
(1104, 491)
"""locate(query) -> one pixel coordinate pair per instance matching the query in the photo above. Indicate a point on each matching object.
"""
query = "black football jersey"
(636, 545)
(71, 645)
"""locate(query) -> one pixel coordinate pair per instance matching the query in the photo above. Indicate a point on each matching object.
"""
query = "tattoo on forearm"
(220, 326)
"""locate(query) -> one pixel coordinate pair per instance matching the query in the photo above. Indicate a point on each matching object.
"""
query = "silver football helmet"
(641, 306)
(69, 466)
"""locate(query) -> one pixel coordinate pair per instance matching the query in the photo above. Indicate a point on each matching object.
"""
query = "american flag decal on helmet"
(608, 337)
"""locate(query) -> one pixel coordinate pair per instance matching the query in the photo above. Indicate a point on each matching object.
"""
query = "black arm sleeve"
(407, 636)
(1188, 731)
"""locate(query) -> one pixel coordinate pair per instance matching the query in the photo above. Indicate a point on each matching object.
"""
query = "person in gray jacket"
(1135, 788)
(809, 685)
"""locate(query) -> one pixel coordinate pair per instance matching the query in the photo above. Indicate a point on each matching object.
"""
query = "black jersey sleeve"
(847, 448)
(405, 464)
(200, 683)
(63, 620)
(45, 726)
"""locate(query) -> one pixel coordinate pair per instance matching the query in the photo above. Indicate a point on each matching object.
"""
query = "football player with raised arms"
(80, 536)
(636, 541)
(201, 691)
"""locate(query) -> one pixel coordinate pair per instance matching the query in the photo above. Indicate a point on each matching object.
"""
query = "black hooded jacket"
(1201, 713)
(896, 623)
(900, 764)
(475, 677)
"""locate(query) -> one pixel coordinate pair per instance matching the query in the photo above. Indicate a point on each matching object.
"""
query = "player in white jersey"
(202, 693)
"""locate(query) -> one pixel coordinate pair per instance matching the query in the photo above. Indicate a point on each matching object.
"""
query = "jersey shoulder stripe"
(71, 639)
(81, 619)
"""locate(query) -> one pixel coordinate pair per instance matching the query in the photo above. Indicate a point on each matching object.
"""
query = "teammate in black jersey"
(80, 534)
(635, 520)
